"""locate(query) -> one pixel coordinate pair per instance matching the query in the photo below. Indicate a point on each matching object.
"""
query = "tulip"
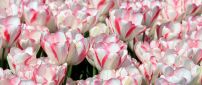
(43, 73)
(170, 30)
(107, 52)
(107, 74)
(8, 78)
(76, 17)
(151, 16)
(78, 47)
(150, 70)
(178, 10)
(18, 59)
(100, 28)
(10, 30)
(123, 76)
(36, 13)
(31, 36)
(129, 61)
(129, 75)
(177, 76)
(56, 46)
(10, 8)
(104, 6)
(125, 23)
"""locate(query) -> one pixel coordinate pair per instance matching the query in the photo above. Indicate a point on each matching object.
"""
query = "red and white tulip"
(10, 30)
(107, 52)
(56, 46)
(78, 47)
(125, 23)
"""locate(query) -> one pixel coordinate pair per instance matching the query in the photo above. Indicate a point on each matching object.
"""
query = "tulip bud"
(10, 30)
(126, 24)
(107, 52)
(78, 48)
(56, 46)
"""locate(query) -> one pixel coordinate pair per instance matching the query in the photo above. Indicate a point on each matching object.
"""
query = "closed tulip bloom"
(18, 59)
(78, 48)
(37, 13)
(151, 16)
(10, 30)
(76, 17)
(31, 36)
(107, 52)
(125, 23)
(103, 6)
(56, 46)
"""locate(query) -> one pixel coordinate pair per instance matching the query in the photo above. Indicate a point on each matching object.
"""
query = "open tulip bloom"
(100, 42)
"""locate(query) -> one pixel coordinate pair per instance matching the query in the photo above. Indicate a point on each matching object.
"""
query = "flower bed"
(100, 42)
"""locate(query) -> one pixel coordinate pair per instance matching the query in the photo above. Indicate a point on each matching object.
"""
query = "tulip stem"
(2, 62)
(94, 71)
(69, 70)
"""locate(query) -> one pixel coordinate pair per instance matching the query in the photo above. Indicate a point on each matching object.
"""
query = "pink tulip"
(106, 74)
(126, 23)
(129, 76)
(170, 30)
(150, 70)
(76, 16)
(10, 8)
(43, 73)
(78, 48)
(151, 15)
(177, 10)
(129, 61)
(31, 36)
(56, 46)
(18, 59)
(8, 78)
(10, 30)
(107, 52)
(177, 76)
(123, 76)
(103, 6)
(98, 29)
(143, 51)
(36, 13)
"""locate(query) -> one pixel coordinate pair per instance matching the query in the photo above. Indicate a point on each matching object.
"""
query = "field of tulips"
(100, 42)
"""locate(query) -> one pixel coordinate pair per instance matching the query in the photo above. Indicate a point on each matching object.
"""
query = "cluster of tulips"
(129, 42)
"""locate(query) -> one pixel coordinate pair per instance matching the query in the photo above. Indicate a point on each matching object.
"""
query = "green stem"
(3, 60)
(94, 71)
(68, 74)
(69, 70)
